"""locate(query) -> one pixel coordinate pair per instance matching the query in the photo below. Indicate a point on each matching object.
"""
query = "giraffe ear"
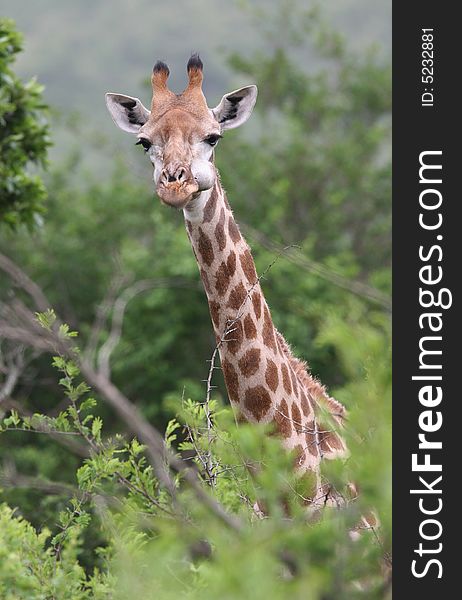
(127, 113)
(236, 107)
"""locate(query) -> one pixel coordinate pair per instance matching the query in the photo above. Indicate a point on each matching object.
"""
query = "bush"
(156, 543)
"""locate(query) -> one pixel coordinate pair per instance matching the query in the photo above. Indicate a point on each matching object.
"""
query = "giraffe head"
(180, 131)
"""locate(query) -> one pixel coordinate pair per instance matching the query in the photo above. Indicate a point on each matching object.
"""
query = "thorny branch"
(285, 251)
(207, 462)
(230, 325)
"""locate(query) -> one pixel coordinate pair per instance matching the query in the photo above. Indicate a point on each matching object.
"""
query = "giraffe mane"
(333, 443)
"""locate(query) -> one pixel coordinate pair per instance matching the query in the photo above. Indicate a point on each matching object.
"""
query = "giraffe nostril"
(181, 174)
(167, 176)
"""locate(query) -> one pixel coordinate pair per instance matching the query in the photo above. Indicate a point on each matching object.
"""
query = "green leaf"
(14, 419)
(46, 319)
(136, 448)
(88, 403)
(96, 427)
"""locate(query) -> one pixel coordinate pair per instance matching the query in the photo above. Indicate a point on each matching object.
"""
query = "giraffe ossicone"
(265, 382)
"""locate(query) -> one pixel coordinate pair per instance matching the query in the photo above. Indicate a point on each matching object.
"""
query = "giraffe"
(266, 383)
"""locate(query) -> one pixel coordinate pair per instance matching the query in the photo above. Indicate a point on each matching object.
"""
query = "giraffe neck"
(259, 372)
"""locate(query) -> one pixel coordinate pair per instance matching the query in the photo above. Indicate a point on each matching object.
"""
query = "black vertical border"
(416, 129)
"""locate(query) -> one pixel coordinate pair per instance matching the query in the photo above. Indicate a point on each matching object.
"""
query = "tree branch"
(160, 457)
(118, 312)
(12, 368)
(24, 282)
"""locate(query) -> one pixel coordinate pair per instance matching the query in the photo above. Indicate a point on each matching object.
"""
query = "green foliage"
(156, 546)
(30, 568)
(23, 137)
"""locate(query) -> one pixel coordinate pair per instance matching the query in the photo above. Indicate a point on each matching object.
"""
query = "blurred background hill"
(80, 50)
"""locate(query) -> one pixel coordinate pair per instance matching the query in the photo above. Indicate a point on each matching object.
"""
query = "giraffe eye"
(212, 139)
(145, 143)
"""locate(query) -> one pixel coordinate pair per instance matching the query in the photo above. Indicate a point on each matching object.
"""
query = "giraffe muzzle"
(176, 188)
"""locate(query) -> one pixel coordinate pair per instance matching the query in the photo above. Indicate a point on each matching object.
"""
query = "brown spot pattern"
(257, 401)
(237, 296)
(281, 418)
(220, 231)
(189, 227)
(322, 437)
(222, 279)
(250, 362)
(210, 207)
(234, 336)
(233, 230)
(231, 380)
(248, 266)
(305, 404)
(215, 313)
(256, 301)
(231, 263)
(205, 281)
(271, 375)
(329, 440)
(205, 248)
(312, 444)
(249, 328)
(286, 379)
(296, 418)
(268, 331)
